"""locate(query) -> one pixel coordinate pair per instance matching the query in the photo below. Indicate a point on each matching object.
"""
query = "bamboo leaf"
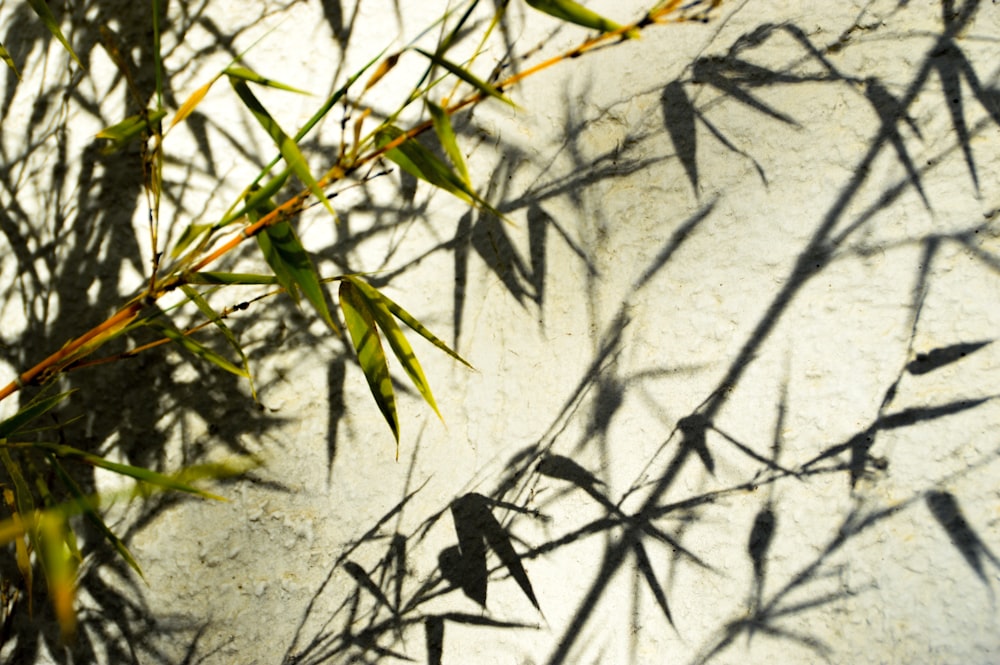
(90, 510)
(399, 344)
(191, 103)
(192, 345)
(208, 277)
(5, 56)
(446, 135)
(292, 266)
(33, 410)
(377, 296)
(50, 22)
(465, 75)
(215, 318)
(120, 134)
(573, 12)
(371, 356)
(421, 163)
(384, 68)
(258, 198)
(139, 473)
(252, 76)
(286, 145)
(190, 234)
(60, 569)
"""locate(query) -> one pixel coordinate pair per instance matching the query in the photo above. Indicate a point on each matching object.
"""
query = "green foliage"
(39, 488)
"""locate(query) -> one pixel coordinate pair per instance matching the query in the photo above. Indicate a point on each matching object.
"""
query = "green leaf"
(478, 84)
(446, 135)
(286, 145)
(215, 318)
(191, 233)
(361, 325)
(121, 133)
(192, 345)
(376, 296)
(22, 491)
(139, 473)
(33, 410)
(293, 267)
(254, 77)
(421, 163)
(258, 198)
(573, 12)
(400, 346)
(207, 277)
(50, 22)
(5, 56)
(90, 510)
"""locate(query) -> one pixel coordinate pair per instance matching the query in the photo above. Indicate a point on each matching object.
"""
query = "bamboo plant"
(39, 492)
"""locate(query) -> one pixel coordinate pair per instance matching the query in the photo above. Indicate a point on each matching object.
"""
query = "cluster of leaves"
(42, 495)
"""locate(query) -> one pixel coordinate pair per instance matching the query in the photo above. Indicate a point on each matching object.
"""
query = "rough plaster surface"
(739, 252)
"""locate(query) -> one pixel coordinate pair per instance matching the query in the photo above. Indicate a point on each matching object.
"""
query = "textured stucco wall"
(750, 286)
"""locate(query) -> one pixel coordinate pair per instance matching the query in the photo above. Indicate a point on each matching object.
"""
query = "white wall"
(714, 222)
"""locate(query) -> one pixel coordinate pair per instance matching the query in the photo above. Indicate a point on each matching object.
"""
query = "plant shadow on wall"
(65, 273)
(500, 532)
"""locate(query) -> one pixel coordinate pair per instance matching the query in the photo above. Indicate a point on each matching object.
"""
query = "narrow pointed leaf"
(573, 12)
(139, 473)
(421, 163)
(250, 75)
(384, 68)
(21, 556)
(192, 345)
(24, 501)
(259, 198)
(465, 75)
(60, 570)
(400, 347)
(5, 56)
(90, 510)
(376, 296)
(190, 234)
(120, 134)
(215, 318)
(52, 25)
(446, 135)
(646, 568)
(191, 103)
(286, 145)
(208, 277)
(293, 267)
(29, 413)
(371, 357)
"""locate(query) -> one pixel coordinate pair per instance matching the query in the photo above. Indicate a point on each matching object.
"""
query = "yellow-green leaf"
(60, 569)
(192, 345)
(292, 266)
(252, 76)
(5, 56)
(465, 75)
(129, 128)
(207, 277)
(90, 510)
(377, 296)
(190, 234)
(446, 134)
(50, 22)
(191, 103)
(421, 163)
(574, 12)
(259, 198)
(286, 145)
(400, 346)
(139, 473)
(361, 325)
